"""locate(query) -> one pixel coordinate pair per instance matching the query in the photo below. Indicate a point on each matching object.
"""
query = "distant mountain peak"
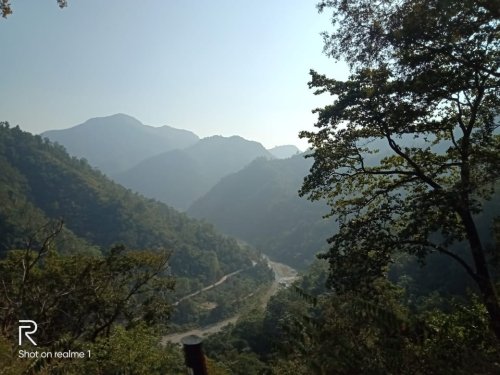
(224, 138)
(120, 116)
(179, 178)
(120, 119)
(118, 142)
(285, 151)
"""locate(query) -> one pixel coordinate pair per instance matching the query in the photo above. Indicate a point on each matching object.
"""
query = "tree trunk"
(483, 278)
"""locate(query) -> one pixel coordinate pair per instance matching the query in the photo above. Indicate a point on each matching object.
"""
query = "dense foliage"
(407, 156)
(41, 175)
(408, 152)
(82, 302)
(260, 205)
(309, 330)
(40, 183)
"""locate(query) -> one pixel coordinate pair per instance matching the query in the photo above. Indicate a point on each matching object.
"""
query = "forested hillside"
(117, 258)
(260, 205)
(409, 284)
(179, 177)
(309, 329)
(391, 217)
(41, 182)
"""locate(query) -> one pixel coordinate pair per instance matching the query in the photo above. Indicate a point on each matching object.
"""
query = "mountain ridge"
(180, 177)
(41, 180)
(284, 151)
(260, 205)
(117, 142)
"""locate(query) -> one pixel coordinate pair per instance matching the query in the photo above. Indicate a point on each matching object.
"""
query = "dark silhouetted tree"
(408, 152)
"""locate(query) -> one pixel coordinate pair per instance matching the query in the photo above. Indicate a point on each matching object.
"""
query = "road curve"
(283, 277)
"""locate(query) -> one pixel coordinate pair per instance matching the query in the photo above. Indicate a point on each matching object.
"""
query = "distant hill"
(284, 152)
(260, 205)
(118, 142)
(180, 177)
(40, 181)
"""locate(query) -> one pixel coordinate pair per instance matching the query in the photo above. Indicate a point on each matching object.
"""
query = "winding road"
(283, 277)
(218, 282)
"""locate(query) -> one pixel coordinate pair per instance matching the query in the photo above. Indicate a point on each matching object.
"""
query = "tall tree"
(408, 152)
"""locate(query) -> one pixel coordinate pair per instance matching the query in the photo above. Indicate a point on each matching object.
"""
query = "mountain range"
(284, 151)
(243, 189)
(260, 205)
(41, 183)
(172, 165)
(118, 142)
(180, 177)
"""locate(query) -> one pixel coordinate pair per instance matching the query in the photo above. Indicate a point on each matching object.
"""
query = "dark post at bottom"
(193, 354)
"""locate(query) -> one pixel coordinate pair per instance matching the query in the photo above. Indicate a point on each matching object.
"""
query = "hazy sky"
(213, 67)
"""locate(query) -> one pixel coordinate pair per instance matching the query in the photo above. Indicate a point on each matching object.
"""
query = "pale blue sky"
(213, 67)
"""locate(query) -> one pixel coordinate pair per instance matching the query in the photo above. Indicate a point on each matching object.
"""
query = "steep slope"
(223, 155)
(180, 177)
(118, 142)
(44, 181)
(260, 205)
(173, 177)
(284, 152)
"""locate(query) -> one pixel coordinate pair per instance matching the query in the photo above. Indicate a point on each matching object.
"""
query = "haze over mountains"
(260, 204)
(168, 164)
(180, 177)
(118, 142)
(235, 184)
(245, 190)
(41, 184)
(40, 181)
(284, 152)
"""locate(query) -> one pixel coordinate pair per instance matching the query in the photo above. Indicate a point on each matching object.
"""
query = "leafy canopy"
(408, 152)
